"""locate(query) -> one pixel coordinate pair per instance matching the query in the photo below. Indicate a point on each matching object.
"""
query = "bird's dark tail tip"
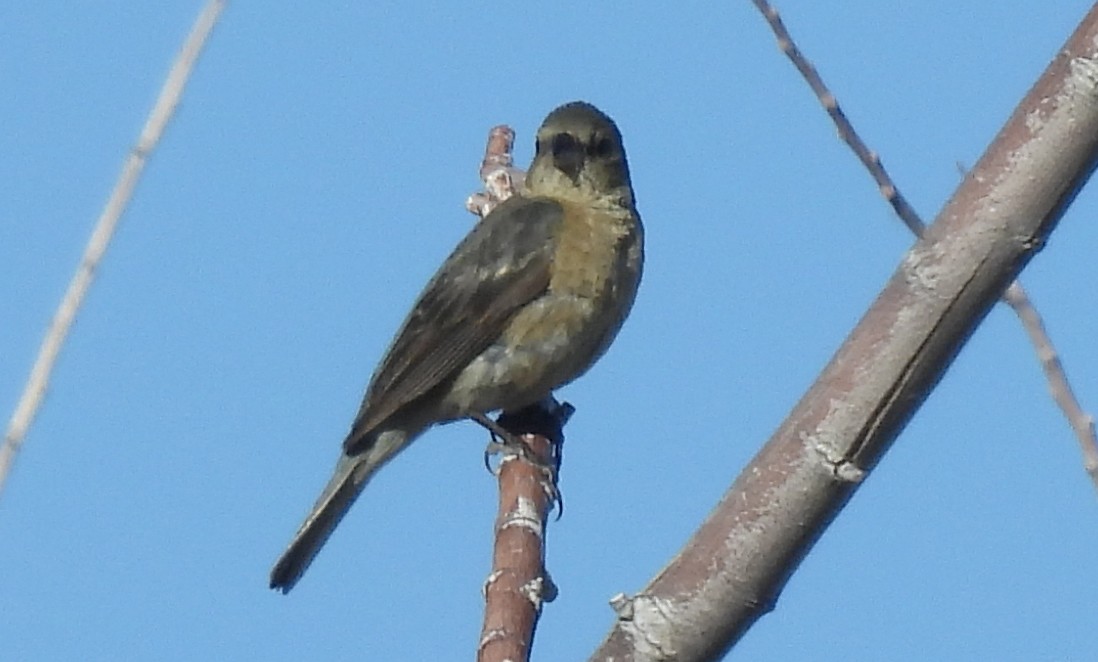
(345, 486)
(293, 563)
(282, 577)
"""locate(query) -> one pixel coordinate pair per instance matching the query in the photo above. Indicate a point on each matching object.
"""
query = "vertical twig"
(518, 583)
(501, 179)
(165, 107)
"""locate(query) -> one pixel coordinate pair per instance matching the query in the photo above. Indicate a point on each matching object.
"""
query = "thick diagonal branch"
(733, 568)
(1015, 296)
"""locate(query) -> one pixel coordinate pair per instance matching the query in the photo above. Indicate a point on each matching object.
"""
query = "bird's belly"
(550, 342)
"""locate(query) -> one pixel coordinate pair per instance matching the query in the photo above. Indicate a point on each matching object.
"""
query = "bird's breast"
(594, 277)
(556, 337)
(591, 247)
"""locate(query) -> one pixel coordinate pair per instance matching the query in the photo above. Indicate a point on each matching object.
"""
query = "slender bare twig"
(847, 133)
(501, 179)
(1081, 422)
(1014, 296)
(165, 106)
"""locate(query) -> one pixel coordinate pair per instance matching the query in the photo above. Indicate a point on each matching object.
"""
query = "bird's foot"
(508, 445)
(501, 442)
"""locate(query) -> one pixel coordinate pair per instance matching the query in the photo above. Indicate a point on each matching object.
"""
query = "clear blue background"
(311, 183)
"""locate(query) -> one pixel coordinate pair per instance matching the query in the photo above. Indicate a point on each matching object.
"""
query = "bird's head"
(579, 150)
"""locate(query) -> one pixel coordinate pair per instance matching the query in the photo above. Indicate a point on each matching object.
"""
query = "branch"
(733, 568)
(519, 583)
(166, 104)
(1015, 296)
(847, 133)
(1081, 422)
(501, 179)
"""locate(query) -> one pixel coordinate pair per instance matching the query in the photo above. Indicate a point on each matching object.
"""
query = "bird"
(527, 302)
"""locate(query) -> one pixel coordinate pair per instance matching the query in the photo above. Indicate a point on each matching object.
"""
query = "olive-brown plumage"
(526, 303)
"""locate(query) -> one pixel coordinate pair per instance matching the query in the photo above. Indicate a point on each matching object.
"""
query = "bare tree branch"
(165, 107)
(847, 133)
(733, 568)
(1081, 422)
(519, 583)
(501, 179)
(1015, 296)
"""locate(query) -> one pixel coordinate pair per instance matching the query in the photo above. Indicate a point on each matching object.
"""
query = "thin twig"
(1081, 422)
(501, 179)
(38, 381)
(868, 157)
(1014, 296)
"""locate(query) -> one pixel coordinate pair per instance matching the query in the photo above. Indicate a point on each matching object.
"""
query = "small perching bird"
(526, 303)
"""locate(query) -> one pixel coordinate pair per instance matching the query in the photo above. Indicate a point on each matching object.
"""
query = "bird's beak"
(568, 156)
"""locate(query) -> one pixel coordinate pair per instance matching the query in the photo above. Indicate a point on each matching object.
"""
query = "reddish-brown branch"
(501, 179)
(518, 583)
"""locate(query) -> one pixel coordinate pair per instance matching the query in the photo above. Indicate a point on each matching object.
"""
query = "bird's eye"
(564, 144)
(537, 147)
(602, 147)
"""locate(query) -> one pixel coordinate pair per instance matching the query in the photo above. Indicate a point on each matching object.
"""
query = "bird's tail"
(352, 472)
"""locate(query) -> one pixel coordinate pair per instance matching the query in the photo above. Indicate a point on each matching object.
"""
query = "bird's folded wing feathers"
(502, 265)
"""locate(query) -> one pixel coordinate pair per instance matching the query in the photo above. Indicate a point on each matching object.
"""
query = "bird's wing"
(503, 264)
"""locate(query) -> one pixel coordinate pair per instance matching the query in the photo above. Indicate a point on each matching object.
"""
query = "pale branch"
(1081, 422)
(735, 565)
(166, 103)
(847, 133)
(1015, 296)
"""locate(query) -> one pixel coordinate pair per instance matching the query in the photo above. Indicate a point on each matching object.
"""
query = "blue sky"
(313, 180)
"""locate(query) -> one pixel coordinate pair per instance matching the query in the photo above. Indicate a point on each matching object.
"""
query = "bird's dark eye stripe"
(600, 147)
(564, 143)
